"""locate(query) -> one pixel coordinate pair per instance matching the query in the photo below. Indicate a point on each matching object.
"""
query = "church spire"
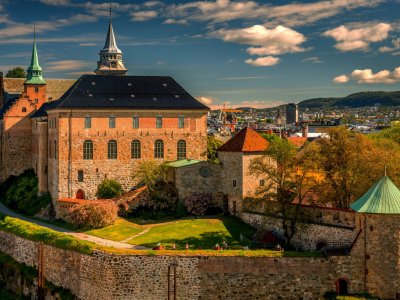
(34, 72)
(110, 62)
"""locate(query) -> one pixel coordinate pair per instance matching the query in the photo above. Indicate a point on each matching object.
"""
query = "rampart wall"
(109, 276)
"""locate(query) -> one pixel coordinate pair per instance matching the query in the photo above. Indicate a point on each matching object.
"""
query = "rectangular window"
(181, 122)
(234, 183)
(88, 122)
(80, 176)
(36, 100)
(159, 122)
(262, 182)
(55, 149)
(111, 122)
(135, 122)
(36, 89)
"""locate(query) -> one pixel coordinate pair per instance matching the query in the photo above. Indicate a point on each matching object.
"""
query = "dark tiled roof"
(246, 140)
(42, 111)
(6, 106)
(137, 92)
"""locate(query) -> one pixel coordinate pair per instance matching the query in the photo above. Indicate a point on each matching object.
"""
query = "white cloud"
(145, 15)
(279, 40)
(66, 65)
(175, 21)
(356, 39)
(296, 14)
(395, 47)
(14, 29)
(57, 2)
(87, 44)
(153, 3)
(313, 60)
(341, 79)
(263, 61)
(367, 76)
(208, 101)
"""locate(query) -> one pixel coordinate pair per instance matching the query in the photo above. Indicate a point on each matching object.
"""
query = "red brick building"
(101, 127)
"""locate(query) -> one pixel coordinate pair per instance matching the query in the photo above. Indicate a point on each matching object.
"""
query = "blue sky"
(242, 53)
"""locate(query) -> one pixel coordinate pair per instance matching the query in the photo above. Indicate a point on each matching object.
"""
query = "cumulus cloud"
(266, 61)
(66, 65)
(208, 101)
(313, 60)
(57, 2)
(145, 15)
(341, 79)
(357, 39)
(395, 47)
(367, 76)
(279, 40)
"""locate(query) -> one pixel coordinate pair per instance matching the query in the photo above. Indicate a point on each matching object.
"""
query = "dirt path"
(82, 236)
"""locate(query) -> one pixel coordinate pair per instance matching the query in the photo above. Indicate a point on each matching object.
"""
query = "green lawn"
(119, 231)
(201, 232)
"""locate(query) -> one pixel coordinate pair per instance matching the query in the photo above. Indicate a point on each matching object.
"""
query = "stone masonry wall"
(122, 168)
(309, 235)
(109, 276)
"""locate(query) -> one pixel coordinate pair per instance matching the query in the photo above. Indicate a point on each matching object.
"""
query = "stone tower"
(378, 215)
(110, 62)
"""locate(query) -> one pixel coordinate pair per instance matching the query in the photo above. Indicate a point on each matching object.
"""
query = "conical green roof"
(382, 198)
(34, 72)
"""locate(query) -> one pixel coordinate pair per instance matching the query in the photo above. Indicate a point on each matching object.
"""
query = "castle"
(76, 133)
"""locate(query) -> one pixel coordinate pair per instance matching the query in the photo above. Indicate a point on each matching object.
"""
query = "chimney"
(304, 130)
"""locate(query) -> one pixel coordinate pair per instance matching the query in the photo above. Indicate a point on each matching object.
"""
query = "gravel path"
(82, 236)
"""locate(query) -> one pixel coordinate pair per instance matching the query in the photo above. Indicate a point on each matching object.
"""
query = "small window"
(159, 122)
(24, 109)
(181, 122)
(36, 89)
(111, 122)
(80, 176)
(112, 150)
(181, 149)
(45, 169)
(55, 149)
(262, 182)
(234, 183)
(158, 149)
(135, 122)
(87, 150)
(135, 149)
(88, 122)
(36, 100)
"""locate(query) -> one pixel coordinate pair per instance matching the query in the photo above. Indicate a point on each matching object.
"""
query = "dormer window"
(24, 109)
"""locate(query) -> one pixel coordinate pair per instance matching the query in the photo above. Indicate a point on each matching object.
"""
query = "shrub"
(93, 214)
(197, 203)
(21, 193)
(108, 189)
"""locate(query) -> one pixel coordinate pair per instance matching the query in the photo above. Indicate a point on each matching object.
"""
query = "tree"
(16, 72)
(212, 145)
(290, 180)
(150, 173)
(351, 163)
(109, 188)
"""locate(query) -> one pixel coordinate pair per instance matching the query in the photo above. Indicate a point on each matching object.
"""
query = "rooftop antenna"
(385, 170)
(110, 13)
(34, 32)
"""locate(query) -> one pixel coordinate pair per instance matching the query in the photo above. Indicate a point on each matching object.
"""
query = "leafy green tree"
(150, 173)
(109, 188)
(16, 72)
(290, 179)
(212, 145)
(270, 137)
(392, 133)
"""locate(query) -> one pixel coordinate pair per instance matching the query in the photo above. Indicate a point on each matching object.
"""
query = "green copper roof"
(34, 72)
(382, 198)
(183, 163)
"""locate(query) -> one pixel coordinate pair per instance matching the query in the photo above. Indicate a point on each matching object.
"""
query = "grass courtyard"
(201, 233)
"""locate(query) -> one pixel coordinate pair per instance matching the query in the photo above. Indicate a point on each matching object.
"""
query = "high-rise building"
(292, 113)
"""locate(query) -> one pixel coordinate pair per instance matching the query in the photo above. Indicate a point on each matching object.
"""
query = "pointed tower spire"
(34, 72)
(110, 62)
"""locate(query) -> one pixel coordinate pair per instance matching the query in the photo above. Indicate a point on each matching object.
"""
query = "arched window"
(181, 149)
(159, 149)
(87, 150)
(135, 149)
(112, 150)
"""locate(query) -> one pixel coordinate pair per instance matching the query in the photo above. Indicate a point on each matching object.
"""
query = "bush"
(93, 214)
(197, 203)
(20, 193)
(108, 189)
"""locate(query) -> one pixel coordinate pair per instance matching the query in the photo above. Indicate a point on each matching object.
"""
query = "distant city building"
(292, 113)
